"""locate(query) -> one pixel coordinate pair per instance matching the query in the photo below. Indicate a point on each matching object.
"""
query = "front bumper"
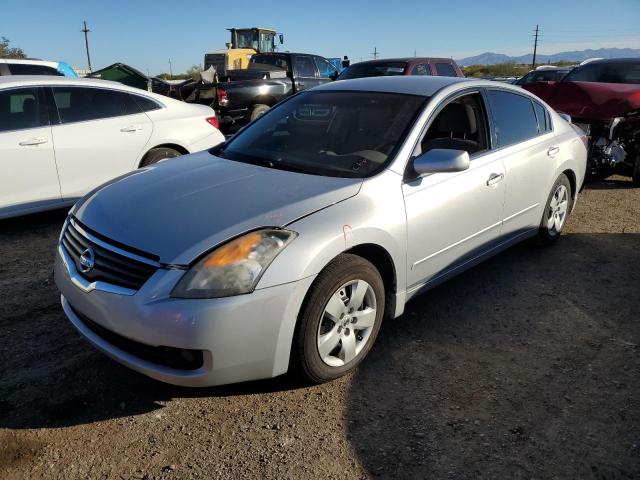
(246, 337)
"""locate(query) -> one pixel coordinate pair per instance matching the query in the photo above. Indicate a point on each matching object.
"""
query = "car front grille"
(112, 263)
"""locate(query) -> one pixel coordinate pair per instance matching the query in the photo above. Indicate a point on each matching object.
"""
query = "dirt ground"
(527, 366)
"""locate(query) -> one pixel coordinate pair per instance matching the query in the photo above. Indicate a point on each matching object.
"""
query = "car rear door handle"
(494, 178)
(553, 151)
(131, 128)
(32, 141)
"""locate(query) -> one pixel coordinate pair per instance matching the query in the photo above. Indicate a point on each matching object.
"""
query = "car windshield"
(378, 69)
(542, 76)
(608, 72)
(331, 133)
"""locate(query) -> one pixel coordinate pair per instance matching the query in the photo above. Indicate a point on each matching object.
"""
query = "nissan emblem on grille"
(87, 260)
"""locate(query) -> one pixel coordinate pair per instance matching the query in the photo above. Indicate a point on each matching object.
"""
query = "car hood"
(588, 100)
(181, 208)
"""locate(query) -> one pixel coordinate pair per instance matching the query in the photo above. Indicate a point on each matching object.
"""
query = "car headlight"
(235, 267)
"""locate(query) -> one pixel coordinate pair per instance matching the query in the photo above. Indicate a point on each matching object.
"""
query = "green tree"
(193, 69)
(7, 51)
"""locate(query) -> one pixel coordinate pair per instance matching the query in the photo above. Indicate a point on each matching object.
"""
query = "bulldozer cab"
(262, 40)
(245, 42)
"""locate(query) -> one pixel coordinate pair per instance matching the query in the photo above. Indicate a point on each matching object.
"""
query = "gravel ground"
(527, 366)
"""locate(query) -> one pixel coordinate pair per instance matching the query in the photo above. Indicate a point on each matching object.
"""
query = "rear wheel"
(556, 211)
(156, 154)
(340, 320)
(257, 111)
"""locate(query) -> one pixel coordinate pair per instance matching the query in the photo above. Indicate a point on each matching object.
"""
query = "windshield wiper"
(265, 162)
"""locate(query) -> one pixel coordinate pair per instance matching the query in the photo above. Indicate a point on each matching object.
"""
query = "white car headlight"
(235, 267)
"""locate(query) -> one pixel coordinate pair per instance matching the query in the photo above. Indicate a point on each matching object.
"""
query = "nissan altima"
(286, 246)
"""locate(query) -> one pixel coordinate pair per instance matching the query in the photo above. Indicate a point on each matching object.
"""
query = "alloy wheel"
(346, 324)
(558, 210)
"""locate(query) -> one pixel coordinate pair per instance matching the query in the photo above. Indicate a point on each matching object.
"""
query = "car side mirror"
(334, 75)
(441, 160)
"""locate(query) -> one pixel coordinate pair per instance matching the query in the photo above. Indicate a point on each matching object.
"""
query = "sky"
(147, 34)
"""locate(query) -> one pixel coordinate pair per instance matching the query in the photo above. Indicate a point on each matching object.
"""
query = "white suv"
(61, 137)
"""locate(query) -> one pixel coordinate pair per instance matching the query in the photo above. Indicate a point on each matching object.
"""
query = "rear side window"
(146, 104)
(26, 69)
(421, 69)
(79, 104)
(544, 125)
(445, 70)
(20, 109)
(513, 117)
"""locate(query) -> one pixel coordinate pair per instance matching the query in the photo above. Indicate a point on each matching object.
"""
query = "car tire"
(556, 211)
(257, 111)
(156, 154)
(635, 174)
(336, 291)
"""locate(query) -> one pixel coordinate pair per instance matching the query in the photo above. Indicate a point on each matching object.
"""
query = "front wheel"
(340, 320)
(556, 211)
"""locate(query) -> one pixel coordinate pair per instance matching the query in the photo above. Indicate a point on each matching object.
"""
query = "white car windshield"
(333, 133)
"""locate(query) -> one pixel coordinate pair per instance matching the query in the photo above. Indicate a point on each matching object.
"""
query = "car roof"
(288, 53)
(405, 59)
(425, 86)
(10, 81)
(22, 80)
(613, 60)
(29, 61)
(413, 85)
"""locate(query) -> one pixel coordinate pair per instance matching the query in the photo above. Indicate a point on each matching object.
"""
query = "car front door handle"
(553, 151)
(494, 179)
(131, 128)
(32, 141)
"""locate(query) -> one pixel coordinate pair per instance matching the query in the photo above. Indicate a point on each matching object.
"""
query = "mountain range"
(490, 58)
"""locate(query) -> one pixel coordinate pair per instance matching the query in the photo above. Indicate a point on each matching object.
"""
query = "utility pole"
(535, 49)
(170, 71)
(375, 53)
(86, 43)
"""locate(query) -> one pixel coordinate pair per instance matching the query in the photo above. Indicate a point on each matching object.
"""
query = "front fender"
(374, 216)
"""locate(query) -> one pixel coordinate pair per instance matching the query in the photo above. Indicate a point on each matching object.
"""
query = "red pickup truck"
(444, 67)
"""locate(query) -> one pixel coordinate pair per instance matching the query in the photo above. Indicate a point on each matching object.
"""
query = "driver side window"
(325, 68)
(303, 66)
(460, 125)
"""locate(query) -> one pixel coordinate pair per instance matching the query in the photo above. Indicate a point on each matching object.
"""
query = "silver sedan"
(286, 246)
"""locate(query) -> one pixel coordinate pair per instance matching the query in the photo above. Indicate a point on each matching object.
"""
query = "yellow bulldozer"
(245, 42)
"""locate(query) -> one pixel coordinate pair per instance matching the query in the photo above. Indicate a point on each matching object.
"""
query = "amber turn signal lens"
(234, 251)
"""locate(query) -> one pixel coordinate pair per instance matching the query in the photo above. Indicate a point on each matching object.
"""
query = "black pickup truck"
(246, 94)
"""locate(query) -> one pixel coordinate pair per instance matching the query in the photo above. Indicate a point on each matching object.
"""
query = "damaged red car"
(603, 98)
